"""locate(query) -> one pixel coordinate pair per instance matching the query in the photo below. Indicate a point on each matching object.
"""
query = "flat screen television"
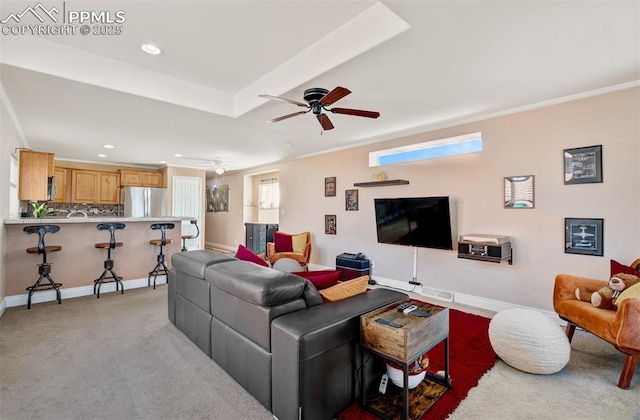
(414, 221)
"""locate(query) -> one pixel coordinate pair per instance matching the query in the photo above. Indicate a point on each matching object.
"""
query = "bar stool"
(108, 263)
(185, 237)
(44, 269)
(161, 267)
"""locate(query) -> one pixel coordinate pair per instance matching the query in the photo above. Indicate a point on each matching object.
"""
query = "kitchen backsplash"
(63, 209)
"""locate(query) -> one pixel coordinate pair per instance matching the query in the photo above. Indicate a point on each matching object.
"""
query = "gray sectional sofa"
(271, 332)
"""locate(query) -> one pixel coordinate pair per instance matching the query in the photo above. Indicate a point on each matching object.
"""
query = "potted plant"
(41, 209)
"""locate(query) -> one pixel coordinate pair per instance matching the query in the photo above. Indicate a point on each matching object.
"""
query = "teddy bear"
(605, 297)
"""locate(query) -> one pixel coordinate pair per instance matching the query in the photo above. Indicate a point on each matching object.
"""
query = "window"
(468, 143)
(269, 200)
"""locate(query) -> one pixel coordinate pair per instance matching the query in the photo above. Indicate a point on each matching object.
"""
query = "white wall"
(9, 141)
(529, 142)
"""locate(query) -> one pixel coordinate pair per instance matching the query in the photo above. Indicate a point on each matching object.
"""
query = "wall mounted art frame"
(330, 224)
(218, 198)
(519, 192)
(583, 165)
(330, 186)
(584, 236)
(351, 200)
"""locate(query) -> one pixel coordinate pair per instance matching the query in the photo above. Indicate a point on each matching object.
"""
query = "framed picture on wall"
(351, 200)
(583, 165)
(217, 198)
(583, 236)
(330, 187)
(518, 192)
(330, 224)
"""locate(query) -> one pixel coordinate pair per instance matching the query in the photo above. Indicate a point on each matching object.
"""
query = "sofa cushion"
(256, 284)
(631, 292)
(285, 242)
(345, 289)
(320, 279)
(195, 262)
(245, 254)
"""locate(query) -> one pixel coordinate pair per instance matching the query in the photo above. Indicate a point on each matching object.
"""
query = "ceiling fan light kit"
(318, 100)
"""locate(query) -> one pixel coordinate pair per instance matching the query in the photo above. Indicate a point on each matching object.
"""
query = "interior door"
(187, 196)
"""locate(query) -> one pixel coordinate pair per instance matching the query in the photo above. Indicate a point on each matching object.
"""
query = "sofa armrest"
(566, 285)
(318, 349)
(627, 326)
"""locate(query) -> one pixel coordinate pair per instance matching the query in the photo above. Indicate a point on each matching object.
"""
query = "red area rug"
(470, 357)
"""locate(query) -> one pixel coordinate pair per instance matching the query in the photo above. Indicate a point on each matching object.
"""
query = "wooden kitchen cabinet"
(108, 187)
(84, 186)
(36, 169)
(61, 180)
(135, 178)
(94, 187)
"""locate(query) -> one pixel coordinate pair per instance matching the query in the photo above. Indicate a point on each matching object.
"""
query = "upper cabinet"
(61, 180)
(36, 169)
(93, 187)
(135, 178)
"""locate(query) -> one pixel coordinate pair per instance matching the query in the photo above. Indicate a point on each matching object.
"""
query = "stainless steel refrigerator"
(145, 202)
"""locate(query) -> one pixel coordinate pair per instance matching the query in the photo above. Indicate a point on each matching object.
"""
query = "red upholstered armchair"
(296, 246)
(620, 328)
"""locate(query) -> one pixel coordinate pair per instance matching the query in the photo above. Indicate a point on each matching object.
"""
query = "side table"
(404, 343)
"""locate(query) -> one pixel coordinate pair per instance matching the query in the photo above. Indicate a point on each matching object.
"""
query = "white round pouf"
(529, 341)
(287, 264)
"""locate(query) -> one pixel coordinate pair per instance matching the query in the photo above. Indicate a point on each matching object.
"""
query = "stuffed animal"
(605, 297)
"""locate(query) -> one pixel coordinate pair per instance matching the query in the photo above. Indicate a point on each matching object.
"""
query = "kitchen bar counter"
(79, 263)
(90, 219)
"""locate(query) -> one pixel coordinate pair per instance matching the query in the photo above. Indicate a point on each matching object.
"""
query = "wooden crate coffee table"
(404, 345)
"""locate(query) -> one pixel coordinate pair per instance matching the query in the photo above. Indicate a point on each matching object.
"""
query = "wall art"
(330, 224)
(217, 198)
(583, 236)
(351, 200)
(330, 187)
(518, 192)
(583, 165)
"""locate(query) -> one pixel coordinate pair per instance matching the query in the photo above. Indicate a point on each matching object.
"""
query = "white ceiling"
(421, 64)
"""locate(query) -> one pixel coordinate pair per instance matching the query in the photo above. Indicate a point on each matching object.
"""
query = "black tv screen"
(414, 221)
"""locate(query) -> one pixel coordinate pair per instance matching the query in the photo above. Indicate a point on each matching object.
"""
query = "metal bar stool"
(44, 269)
(185, 237)
(108, 263)
(161, 267)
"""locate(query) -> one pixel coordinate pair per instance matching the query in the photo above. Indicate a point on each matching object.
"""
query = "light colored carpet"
(119, 357)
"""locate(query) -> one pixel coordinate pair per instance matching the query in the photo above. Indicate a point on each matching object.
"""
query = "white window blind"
(269, 194)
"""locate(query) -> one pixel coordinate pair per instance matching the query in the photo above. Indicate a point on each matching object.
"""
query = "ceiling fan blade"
(324, 121)
(335, 95)
(284, 117)
(278, 98)
(356, 112)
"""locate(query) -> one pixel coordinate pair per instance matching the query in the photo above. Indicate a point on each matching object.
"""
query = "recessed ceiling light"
(177, 155)
(102, 155)
(151, 49)
(109, 146)
(163, 162)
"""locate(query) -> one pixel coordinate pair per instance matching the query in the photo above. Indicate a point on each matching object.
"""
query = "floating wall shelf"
(381, 183)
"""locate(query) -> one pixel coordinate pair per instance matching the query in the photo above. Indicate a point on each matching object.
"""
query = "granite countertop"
(81, 219)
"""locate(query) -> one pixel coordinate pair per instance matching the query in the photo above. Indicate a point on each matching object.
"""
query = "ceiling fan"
(318, 99)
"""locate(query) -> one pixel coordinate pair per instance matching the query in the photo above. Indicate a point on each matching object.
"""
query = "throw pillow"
(345, 289)
(616, 268)
(245, 254)
(282, 242)
(298, 242)
(631, 292)
(321, 279)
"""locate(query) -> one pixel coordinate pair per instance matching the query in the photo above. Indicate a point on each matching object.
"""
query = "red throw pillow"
(321, 279)
(245, 254)
(282, 242)
(617, 268)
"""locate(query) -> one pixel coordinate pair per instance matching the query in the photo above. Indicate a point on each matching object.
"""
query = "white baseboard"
(220, 246)
(72, 292)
